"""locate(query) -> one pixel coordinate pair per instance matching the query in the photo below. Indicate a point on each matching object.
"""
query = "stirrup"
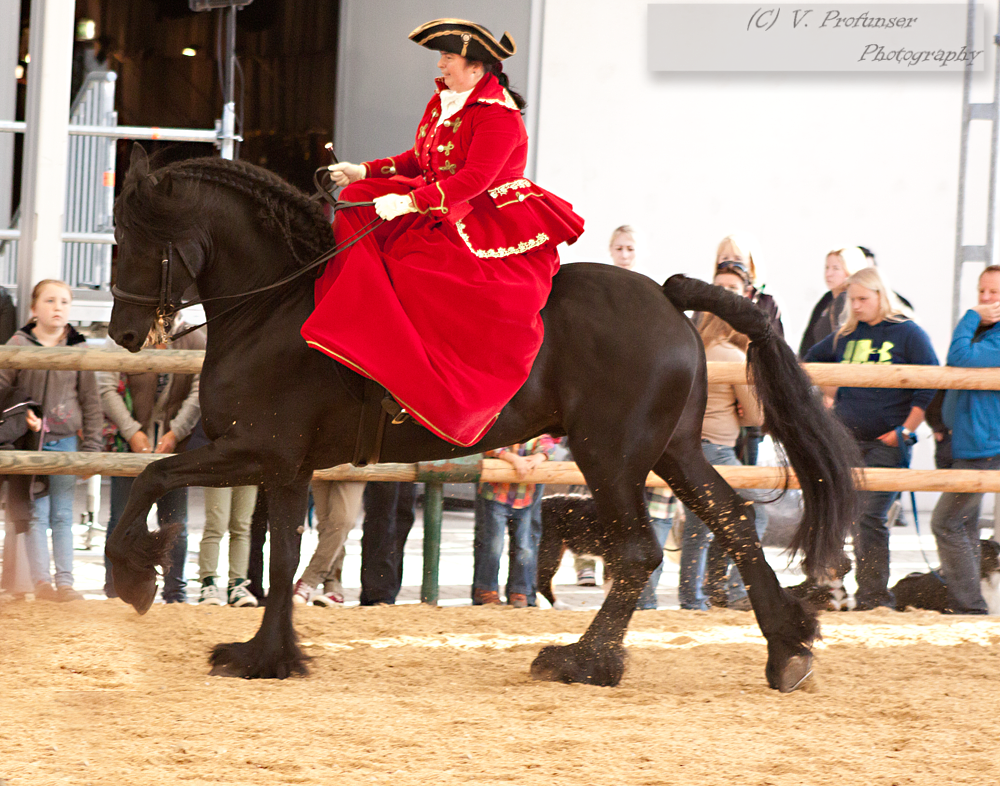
(377, 406)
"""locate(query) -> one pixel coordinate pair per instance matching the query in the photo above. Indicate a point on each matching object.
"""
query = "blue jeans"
(536, 537)
(871, 535)
(171, 508)
(955, 523)
(647, 598)
(697, 537)
(491, 520)
(54, 511)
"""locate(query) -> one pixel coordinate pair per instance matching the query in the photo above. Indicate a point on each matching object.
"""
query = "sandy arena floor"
(91, 693)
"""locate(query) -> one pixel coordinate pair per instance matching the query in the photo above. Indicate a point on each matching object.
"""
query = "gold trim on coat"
(498, 253)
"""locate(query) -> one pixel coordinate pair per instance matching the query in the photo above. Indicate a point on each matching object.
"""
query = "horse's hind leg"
(786, 624)
(273, 652)
(598, 658)
(550, 552)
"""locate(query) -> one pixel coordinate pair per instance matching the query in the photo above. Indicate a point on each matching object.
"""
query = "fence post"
(465, 469)
(433, 509)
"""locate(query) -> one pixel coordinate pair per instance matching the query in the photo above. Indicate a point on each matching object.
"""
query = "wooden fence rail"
(27, 462)
(190, 361)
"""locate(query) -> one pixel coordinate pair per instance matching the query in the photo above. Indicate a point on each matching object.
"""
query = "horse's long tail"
(818, 446)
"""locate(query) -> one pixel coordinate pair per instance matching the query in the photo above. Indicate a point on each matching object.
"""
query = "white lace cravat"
(451, 102)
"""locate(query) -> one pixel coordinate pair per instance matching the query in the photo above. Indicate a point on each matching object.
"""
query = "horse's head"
(159, 252)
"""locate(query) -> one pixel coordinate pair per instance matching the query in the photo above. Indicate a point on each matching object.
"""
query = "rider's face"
(458, 73)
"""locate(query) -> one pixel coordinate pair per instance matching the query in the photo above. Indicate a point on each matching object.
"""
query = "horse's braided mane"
(300, 220)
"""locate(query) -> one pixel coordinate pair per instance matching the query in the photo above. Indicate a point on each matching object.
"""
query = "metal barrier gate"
(87, 229)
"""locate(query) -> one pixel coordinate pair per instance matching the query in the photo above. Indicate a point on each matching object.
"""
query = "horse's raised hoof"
(796, 670)
(138, 590)
(243, 659)
(581, 663)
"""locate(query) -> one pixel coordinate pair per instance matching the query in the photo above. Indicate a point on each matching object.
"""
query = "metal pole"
(534, 92)
(10, 17)
(229, 85)
(46, 147)
(991, 251)
(433, 507)
(963, 158)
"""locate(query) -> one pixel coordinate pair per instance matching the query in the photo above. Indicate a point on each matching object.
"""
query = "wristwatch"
(908, 434)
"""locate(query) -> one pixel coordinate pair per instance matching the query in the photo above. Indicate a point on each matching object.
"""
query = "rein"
(166, 308)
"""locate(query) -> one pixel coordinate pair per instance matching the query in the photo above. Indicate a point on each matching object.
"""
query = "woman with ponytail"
(440, 303)
(728, 408)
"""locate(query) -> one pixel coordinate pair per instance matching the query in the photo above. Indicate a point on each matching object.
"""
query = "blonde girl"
(71, 405)
(876, 329)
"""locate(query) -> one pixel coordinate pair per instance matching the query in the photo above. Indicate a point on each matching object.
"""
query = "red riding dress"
(441, 306)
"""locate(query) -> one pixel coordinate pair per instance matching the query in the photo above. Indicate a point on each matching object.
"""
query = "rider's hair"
(497, 70)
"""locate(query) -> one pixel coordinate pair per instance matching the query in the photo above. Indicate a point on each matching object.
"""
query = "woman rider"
(440, 303)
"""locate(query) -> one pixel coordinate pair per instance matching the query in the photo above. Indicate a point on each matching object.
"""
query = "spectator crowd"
(860, 319)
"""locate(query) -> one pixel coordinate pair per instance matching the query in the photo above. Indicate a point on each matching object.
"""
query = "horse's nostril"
(127, 338)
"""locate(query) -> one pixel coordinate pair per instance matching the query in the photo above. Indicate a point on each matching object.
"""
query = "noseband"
(163, 303)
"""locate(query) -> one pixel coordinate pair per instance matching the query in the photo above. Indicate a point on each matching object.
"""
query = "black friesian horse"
(621, 371)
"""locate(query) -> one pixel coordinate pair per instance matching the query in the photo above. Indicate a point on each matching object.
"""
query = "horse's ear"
(138, 165)
(192, 255)
(166, 184)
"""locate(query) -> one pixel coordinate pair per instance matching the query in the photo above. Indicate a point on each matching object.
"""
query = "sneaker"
(65, 593)
(517, 600)
(211, 595)
(586, 578)
(44, 591)
(894, 518)
(240, 595)
(327, 599)
(303, 593)
(485, 598)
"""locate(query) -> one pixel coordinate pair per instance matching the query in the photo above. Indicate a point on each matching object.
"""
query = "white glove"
(392, 206)
(346, 173)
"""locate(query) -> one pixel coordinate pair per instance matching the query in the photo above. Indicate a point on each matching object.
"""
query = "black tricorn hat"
(464, 38)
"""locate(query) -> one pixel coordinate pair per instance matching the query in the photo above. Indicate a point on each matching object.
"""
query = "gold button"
(440, 148)
(447, 124)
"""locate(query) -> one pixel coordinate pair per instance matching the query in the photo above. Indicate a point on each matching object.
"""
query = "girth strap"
(377, 407)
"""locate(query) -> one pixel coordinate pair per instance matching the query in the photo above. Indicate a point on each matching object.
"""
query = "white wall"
(384, 81)
(805, 162)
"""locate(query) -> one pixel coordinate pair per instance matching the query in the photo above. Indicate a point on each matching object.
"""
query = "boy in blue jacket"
(974, 419)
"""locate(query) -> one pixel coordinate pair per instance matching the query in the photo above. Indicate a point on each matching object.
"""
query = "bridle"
(167, 307)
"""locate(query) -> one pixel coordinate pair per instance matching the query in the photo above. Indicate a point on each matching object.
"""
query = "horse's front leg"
(598, 658)
(133, 551)
(273, 652)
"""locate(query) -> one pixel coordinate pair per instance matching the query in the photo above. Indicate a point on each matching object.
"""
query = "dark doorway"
(285, 80)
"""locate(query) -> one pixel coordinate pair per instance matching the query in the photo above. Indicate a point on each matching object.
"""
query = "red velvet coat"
(469, 172)
(442, 306)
